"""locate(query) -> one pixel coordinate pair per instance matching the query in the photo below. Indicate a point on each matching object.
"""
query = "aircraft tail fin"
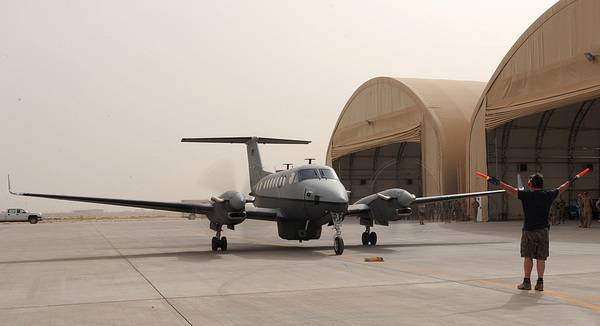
(254, 161)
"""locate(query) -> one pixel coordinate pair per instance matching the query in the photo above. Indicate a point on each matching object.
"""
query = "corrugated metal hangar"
(540, 111)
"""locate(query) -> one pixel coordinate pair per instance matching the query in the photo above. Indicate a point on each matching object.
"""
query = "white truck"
(18, 214)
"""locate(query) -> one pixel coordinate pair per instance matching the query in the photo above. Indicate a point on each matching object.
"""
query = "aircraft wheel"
(223, 244)
(338, 245)
(373, 238)
(215, 244)
(365, 238)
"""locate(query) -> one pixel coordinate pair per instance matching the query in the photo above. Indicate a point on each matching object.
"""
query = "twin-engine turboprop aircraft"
(301, 200)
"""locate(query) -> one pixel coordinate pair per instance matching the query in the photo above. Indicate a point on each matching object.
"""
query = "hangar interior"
(558, 143)
(391, 166)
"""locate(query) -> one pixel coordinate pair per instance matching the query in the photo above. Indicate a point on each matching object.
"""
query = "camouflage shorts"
(535, 244)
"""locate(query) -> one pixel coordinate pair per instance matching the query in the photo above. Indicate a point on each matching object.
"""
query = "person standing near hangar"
(534, 239)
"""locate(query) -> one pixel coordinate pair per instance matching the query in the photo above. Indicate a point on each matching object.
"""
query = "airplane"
(300, 200)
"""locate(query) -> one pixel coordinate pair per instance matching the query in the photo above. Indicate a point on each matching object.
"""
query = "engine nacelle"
(229, 208)
(388, 205)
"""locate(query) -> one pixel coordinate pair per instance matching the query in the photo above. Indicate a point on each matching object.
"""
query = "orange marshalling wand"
(482, 175)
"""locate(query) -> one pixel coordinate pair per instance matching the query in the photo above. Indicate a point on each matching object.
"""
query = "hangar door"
(391, 166)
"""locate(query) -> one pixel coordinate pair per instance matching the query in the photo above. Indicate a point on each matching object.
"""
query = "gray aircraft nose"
(332, 191)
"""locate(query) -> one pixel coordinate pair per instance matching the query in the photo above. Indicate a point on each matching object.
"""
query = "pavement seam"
(142, 275)
(77, 304)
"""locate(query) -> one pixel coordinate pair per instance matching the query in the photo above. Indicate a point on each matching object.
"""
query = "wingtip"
(10, 188)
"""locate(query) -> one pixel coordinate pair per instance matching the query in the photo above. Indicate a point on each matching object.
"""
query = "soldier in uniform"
(474, 209)
(421, 211)
(560, 210)
(587, 209)
(580, 209)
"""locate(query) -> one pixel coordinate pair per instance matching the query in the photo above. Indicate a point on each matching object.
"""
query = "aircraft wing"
(163, 206)
(424, 200)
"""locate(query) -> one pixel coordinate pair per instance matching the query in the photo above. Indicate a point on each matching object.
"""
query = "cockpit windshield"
(308, 174)
(328, 174)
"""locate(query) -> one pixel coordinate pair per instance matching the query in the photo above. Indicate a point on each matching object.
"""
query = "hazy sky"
(96, 95)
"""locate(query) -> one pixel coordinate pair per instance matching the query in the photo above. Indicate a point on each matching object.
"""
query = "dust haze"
(95, 96)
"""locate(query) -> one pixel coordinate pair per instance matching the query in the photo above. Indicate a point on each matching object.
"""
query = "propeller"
(236, 199)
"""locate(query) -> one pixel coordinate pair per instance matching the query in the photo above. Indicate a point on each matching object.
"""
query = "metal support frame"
(374, 169)
(584, 109)
(539, 138)
(399, 156)
(350, 166)
(503, 160)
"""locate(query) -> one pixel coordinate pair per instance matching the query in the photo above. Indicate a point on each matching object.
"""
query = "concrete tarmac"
(162, 272)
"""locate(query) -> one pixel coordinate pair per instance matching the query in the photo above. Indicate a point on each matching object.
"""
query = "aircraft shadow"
(253, 251)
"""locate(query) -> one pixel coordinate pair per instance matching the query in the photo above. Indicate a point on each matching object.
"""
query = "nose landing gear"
(338, 242)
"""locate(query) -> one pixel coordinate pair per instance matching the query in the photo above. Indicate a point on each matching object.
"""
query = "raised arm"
(564, 187)
(509, 189)
(567, 184)
(495, 181)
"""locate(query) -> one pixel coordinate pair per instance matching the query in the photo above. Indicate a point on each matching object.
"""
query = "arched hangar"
(404, 133)
(540, 110)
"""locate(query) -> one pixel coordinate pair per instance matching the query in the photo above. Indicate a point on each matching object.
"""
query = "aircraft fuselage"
(306, 195)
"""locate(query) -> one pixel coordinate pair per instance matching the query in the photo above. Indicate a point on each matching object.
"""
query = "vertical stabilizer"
(255, 167)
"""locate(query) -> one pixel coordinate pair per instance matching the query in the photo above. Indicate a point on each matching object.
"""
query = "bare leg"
(541, 267)
(528, 266)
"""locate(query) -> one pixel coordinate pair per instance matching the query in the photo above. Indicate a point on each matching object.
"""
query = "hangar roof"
(545, 69)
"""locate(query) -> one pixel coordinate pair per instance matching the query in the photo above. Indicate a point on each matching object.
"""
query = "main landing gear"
(338, 242)
(368, 237)
(219, 242)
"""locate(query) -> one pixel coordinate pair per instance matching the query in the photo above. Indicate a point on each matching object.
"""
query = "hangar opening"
(372, 170)
(540, 109)
(558, 143)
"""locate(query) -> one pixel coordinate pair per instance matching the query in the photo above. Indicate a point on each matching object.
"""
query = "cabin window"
(328, 174)
(291, 178)
(308, 174)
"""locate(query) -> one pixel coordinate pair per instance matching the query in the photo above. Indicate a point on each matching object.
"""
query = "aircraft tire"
(373, 238)
(338, 245)
(223, 243)
(365, 238)
(215, 244)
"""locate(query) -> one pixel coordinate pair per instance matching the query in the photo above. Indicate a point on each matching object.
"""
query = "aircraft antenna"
(310, 160)
(287, 165)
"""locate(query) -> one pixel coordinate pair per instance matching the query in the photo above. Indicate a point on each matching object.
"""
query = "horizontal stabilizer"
(244, 140)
